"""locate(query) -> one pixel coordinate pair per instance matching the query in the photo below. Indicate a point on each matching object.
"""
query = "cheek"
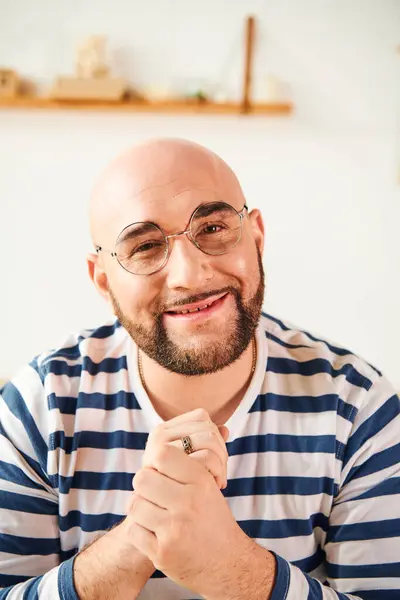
(243, 263)
(243, 266)
(135, 294)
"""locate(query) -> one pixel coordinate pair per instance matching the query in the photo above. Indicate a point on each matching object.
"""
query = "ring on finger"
(187, 444)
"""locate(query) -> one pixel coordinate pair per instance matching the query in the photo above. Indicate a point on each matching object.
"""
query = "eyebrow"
(204, 210)
(141, 228)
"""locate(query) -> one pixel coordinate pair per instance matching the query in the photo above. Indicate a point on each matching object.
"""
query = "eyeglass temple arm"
(101, 249)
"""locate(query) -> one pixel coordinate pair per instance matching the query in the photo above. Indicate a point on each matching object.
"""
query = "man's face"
(149, 306)
(164, 183)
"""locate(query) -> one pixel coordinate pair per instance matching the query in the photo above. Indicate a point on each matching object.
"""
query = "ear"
(257, 228)
(98, 275)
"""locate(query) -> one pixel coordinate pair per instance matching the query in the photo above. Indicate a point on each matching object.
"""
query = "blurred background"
(325, 174)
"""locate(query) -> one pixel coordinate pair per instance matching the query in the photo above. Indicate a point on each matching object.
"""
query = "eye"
(212, 228)
(145, 247)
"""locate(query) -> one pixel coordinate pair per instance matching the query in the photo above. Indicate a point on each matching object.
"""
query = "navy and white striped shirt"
(313, 469)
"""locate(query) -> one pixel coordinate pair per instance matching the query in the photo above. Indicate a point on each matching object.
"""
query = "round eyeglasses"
(143, 248)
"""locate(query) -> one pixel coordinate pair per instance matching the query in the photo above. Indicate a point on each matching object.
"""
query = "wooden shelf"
(144, 106)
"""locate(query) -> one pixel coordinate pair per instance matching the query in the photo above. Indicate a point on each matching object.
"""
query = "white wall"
(326, 179)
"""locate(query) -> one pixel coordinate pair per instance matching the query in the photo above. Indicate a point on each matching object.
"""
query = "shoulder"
(58, 372)
(292, 350)
(79, 352)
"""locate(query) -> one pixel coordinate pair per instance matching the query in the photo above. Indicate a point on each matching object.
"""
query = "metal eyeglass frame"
(186, 232)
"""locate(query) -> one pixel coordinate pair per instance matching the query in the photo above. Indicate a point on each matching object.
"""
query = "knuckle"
(156, 441)
(157, 433)
(213, 435)
(202, 414)
(139, 479)
(207, 456)
(161, 455)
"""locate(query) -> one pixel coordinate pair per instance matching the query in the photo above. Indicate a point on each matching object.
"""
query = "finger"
(204, 440)
(148, 515)
(176, 465)
(210, 461)
(189, 428)
(199, 414)
(143, 539)
(224, 431)
(208, 446)
(160, 489)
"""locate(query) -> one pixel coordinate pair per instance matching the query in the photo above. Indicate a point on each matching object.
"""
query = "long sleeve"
(362, 546)
(32, 564)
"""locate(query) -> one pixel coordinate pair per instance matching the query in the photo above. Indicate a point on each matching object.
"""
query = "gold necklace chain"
(253, 364)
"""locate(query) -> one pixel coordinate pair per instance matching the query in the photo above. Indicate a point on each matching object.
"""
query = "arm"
(111, 568)
(30, 552)
(29, 540)
(363, 539)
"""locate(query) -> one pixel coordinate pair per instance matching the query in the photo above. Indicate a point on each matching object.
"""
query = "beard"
(195, 358)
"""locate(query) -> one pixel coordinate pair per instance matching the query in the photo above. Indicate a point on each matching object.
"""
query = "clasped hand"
(177, 515)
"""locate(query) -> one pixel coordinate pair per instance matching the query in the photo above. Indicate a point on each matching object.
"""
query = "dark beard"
(158, 346)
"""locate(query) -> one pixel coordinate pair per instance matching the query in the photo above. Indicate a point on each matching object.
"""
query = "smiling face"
(198, 313)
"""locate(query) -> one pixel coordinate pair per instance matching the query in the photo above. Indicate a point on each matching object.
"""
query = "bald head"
(156, 171)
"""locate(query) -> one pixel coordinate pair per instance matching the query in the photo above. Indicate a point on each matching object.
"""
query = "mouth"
(198, 310)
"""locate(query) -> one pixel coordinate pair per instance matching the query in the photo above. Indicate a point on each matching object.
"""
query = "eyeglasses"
(143, 248)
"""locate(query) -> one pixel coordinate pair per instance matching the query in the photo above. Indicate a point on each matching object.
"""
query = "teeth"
(193, 310)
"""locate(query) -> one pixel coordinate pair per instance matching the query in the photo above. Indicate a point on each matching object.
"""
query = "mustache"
(164, 307)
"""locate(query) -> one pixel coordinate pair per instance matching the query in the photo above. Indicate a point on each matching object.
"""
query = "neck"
(219, 393)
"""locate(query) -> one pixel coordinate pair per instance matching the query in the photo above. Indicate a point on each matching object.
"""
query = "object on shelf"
(73, 88)
(27, 87)
(194, 90)
(272, 89)
(134, 96)
(220, 97)
(157, 93)
(9, 83)
(92, 81)
(269, 89)
(199, 96)
(91, 59)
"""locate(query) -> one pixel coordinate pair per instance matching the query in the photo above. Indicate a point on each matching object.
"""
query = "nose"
(187, 266)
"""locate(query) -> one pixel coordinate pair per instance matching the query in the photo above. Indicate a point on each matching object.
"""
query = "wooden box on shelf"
(9, 83)
(80, 88)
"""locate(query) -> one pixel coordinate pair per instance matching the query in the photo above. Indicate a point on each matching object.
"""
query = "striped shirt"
(313, 468)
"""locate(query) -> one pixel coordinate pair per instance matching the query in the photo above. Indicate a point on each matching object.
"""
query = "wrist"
(121, 536)
(111, 567)
(250, 575)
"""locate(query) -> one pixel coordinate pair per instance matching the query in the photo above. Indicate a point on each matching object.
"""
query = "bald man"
(194, 446)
